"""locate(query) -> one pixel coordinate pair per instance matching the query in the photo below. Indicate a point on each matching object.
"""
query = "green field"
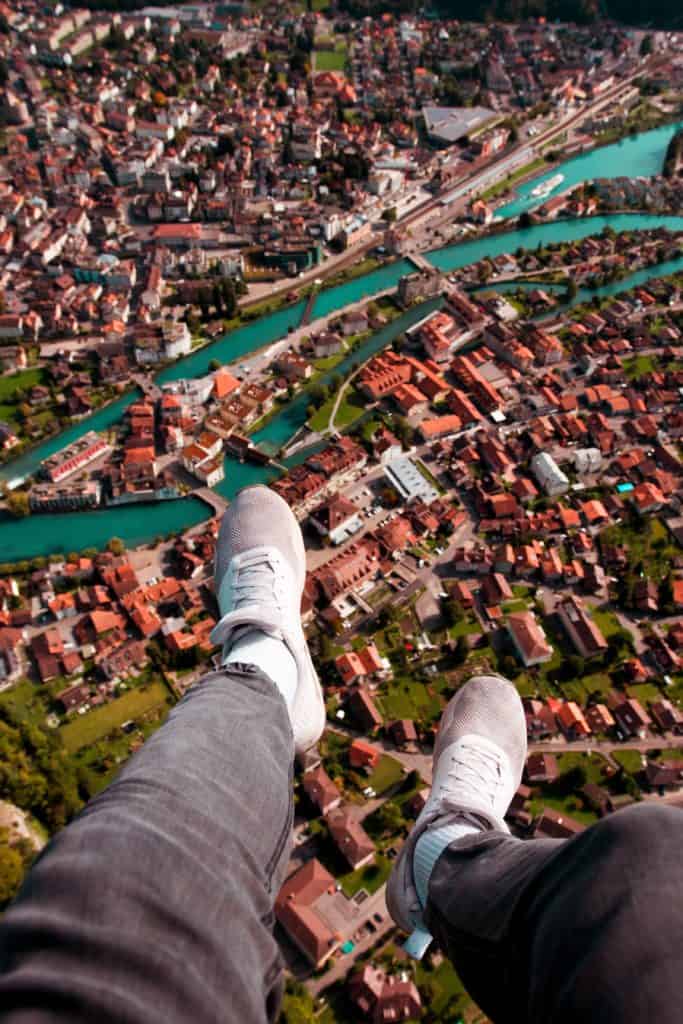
(89, 728)
(387, 773)
(24, 380)
(647, 541)
(370, 878)
(328, 60)
(25, 702)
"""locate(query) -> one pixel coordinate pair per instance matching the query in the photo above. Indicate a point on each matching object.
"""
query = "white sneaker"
(259, 578)
(478, 761)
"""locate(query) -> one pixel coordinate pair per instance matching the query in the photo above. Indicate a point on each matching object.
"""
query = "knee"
(645, 831)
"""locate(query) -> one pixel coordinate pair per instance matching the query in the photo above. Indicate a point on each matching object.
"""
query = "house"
(383, 999)
(667, 775)
(585, 635)
(364, 710)
(528, 639)
(305, 908)
(666, 716)
(74, 697)
(571, 720)
(321, 790)
(403, 732)
(363, 755)
(495, 588)
(541, 768)
(336, 519)
(350, 838)
(599, 718)
(355, 665)
(631, 718)
(556, 825)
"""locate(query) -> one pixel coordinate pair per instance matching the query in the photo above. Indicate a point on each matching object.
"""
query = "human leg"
(586, 929)
(156, 904)
(546, 930)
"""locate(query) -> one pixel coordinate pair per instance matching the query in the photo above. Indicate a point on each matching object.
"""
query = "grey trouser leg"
(156, 903)
(555, 931)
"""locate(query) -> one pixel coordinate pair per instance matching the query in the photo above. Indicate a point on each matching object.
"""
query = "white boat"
(546, 187)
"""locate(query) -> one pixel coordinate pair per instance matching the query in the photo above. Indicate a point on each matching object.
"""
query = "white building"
(587, 460)
(549, 475)
(403, 474)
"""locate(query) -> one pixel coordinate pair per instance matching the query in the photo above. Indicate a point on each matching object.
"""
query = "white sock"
(429, 848)
(270, 655)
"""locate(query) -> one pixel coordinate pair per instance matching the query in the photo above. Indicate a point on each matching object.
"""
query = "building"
(321, 790)
(572, 722)
(364, 710)
(582, 631)
(549, 475)
(355, 665)
(447, 125)
(403, 474)
(303, 908)
(383, 999)
(528, 639)
(336, 519)
(631, 718)
(350, 838)
(74, 457)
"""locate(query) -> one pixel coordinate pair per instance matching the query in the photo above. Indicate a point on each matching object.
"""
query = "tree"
(453, 611)
(390, 215)
(390, 817)
(666, 595)
(18, 504)
(214, 364)
(646, 46)
(116, 546)
(572, 290)
(11, 873)
(461, 651)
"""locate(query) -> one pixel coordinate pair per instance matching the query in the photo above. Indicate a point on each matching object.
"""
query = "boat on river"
(543, 190)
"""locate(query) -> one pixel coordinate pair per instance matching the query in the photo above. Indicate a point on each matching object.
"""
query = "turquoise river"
(137, 524)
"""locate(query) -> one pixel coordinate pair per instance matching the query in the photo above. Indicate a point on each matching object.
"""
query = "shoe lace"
(472, 769)
(255, 582)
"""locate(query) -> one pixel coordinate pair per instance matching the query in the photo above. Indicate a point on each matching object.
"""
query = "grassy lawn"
(629, 760)
(644, 692)
(350, 408)
(446, 991)
(572, 806)
(321, 419)
(327, 60)
(638, 366)
(370, 878)
(606, 621)
(648, 542)
(580, 689)
(24, 380)
(25, 701)
(535, 165)
(388, 772)
(406, 697)
(89, 728)
(465, 627)
(594, 765)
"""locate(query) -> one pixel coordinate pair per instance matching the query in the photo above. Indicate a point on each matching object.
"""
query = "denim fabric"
(554, 931)
(156, 903)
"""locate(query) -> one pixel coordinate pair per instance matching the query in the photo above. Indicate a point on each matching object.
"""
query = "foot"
(478, 760)
(259, 579)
